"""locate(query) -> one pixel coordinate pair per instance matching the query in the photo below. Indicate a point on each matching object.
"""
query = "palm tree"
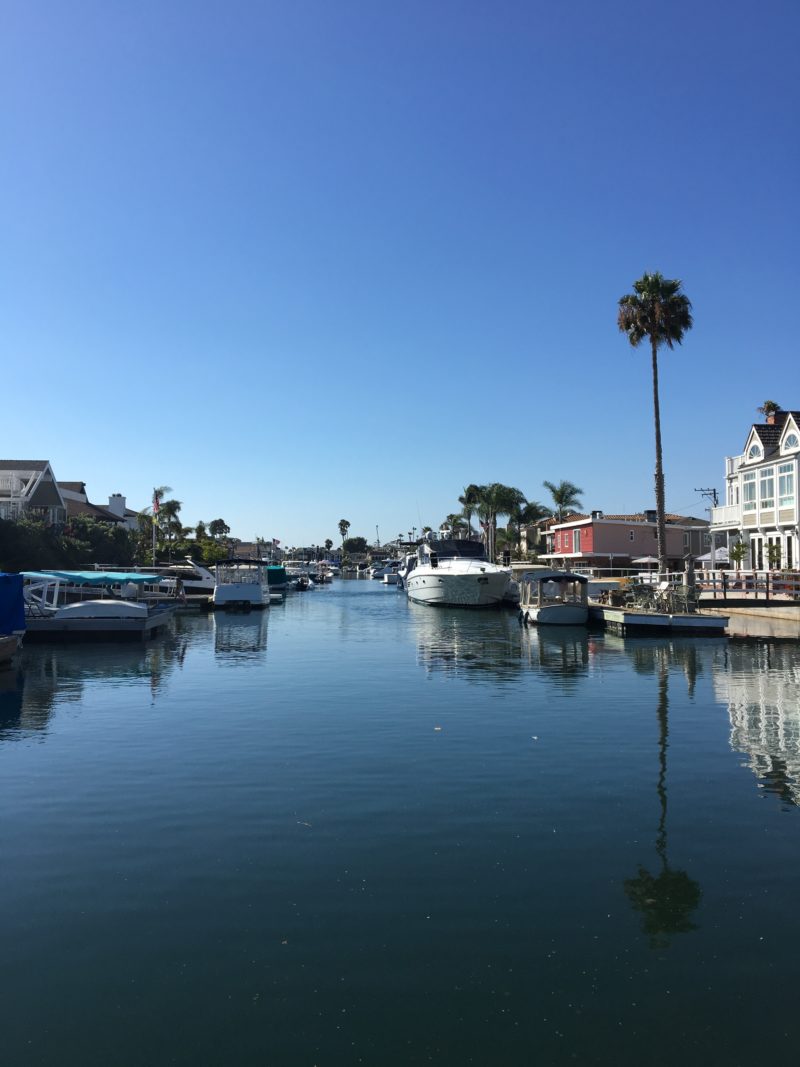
(469, 503)
(656, 309)
(344, 526)
(769, 408)
(529, 514)
(566, 497)
(493, 500)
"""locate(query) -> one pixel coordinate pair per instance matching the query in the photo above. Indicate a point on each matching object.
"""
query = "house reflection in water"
(760, 683)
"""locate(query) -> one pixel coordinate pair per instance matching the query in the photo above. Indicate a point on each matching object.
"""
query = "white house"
(28, 487)
(760, 506)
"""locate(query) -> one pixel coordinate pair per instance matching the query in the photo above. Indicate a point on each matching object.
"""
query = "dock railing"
(749, 585)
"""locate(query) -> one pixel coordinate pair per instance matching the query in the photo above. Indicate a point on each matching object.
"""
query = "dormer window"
(792, 441)
(754, 452)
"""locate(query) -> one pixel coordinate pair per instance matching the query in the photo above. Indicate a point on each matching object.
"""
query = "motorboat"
(554, 598)
(57, 606)
(242, 584)
(455, 573)
(391, 575)
(190, 577)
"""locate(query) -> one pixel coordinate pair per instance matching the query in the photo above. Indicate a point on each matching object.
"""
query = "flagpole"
(155, 517)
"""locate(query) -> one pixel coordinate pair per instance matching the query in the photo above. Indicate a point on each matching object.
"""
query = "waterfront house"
(28, 487)
(760, 508)
(116, 511)
(618, 541)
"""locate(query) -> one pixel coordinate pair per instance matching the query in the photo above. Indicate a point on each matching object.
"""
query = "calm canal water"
(355, 830)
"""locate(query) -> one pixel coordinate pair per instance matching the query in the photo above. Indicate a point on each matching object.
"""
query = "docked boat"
(554, 598)
(190, 577)
(242, 585)
(455, 573)
(64, 605)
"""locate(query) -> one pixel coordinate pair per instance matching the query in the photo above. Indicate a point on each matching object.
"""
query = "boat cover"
(94, 577)
(12, 605)
(555, 576)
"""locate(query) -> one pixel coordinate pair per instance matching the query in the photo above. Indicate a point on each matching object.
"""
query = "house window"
(749, 491)
(632, 534)
(792, 441)
(786, 485)
(576, 541)
(655, 533)
(754, 452)
(767, 489)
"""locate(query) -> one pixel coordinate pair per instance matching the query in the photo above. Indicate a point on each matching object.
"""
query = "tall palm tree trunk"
(661, 526)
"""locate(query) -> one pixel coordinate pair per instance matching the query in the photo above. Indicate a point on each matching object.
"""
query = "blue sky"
(306, 261)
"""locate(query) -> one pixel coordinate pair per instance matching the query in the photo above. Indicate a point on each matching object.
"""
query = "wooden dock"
(637, 621)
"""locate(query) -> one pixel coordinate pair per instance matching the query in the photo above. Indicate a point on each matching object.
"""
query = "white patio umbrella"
(649, 560)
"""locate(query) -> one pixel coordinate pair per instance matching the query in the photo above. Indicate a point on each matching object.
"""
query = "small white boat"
(56, 607)
(241, 584)
(455, 573)
(554, 598)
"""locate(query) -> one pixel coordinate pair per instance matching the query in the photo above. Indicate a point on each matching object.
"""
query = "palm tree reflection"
(667, 899)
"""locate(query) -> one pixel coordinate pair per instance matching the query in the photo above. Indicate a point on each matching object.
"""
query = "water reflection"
(564, 651)
(760, 684)
(51, 676)
(483, 646)
(666, 899)
(240, 638)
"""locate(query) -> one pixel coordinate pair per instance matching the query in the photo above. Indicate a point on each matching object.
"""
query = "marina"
(359, 822)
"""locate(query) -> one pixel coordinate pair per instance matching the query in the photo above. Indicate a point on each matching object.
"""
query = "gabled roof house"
(761, 507)
(29, 487)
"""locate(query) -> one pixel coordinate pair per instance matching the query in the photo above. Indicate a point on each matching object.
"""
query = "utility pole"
(711, 494)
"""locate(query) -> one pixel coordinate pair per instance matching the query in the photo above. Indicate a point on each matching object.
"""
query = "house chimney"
(771, 418)
(116, 505)
(597, 514)
(650, 516)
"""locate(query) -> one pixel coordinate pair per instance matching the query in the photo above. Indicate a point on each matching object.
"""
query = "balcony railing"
(726, 515)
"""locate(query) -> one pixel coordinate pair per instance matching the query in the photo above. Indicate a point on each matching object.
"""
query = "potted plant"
(736, 553)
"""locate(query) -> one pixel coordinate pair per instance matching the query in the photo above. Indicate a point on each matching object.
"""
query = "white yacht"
(455, 573)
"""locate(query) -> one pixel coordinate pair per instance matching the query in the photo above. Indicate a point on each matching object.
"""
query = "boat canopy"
(94, 577)
(452, 548)
(555, 576)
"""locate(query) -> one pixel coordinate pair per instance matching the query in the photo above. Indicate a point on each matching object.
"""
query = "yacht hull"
(483, 589)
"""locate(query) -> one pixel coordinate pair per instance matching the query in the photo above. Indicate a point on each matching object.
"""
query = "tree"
(328, 544)
(659, 311)
(768, 408)
(493, 500)
(566, 497)
(355, 544)
(736, 553)
(218, 528)
(344, 526)
(469, 502)
(200, 531)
